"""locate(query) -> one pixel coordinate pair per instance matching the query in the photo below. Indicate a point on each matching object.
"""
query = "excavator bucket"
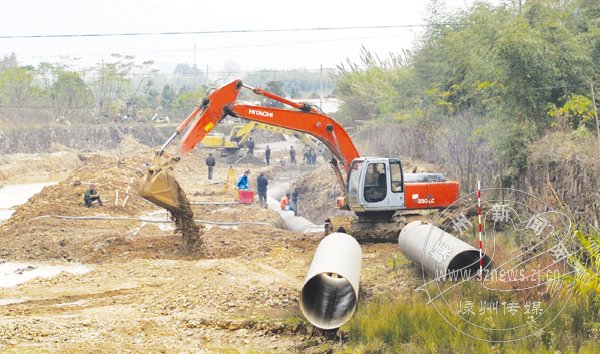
(160, 186)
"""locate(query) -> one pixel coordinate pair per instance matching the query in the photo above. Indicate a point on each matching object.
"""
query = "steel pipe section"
(438, 252)
(330, 292)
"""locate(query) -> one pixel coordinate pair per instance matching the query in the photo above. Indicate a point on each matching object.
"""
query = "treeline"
(482, 86)
(127, 90)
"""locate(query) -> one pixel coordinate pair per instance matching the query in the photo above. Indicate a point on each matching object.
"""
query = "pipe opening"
(466, 263)
(328, 300)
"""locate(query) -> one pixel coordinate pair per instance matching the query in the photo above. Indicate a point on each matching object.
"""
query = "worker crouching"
(92, 195)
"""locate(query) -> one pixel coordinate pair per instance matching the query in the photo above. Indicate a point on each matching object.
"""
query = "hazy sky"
(244, 51)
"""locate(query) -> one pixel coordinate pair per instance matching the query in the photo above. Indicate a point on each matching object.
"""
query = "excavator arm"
(305, 119)
(160, 185)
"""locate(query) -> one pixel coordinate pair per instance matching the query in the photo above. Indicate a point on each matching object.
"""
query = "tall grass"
(409, 325)
(586, 281)
(405, 323)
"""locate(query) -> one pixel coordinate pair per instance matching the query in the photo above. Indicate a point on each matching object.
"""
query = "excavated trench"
(279, 185)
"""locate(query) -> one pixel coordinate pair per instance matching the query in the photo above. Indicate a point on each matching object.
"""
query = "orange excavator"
(382, 197)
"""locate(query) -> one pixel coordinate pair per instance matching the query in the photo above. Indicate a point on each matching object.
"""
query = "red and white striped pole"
(480, 230)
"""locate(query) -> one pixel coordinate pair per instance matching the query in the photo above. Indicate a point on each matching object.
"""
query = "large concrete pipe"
(330, 292)
(293, 223)
(438, 252)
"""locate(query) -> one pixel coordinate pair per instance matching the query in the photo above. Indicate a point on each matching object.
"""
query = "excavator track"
(371, 229)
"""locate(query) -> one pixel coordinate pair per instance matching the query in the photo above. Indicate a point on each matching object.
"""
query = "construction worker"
(306, 157)
(210, 162)
(268, 155)
(244, 182)
(285, 202)
(261, 187)
(295, 201)
(250, 146)
(91, 195)
(293, 156)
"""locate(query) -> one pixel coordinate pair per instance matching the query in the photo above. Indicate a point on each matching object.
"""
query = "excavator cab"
(379, 184)
(375, 184)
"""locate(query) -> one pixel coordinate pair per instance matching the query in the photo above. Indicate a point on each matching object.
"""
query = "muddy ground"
(146, 291)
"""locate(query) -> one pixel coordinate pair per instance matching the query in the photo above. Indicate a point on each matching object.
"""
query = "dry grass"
(409, 325)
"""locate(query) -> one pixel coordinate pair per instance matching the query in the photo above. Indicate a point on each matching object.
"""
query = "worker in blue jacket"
(244, 182)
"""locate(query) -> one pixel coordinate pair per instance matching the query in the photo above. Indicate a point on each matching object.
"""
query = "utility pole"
(321, 87)
(595, 113)
(101, 89)
(195, 83)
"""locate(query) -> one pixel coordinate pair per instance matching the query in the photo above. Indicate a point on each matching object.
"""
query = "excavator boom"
(160, 186)
(305, 119)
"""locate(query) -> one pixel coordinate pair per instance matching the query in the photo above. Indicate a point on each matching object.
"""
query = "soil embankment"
(97, 138)
(82, 139)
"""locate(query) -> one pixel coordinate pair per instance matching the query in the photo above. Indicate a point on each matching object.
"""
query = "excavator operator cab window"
(354, 180)
(396, 169)
(233, 133)
(375, 183)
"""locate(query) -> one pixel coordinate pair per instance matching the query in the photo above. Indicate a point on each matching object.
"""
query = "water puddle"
(73, 303)
(226, 227)
(5, 214)
(12, 195)
(13, 273)
(4, 302)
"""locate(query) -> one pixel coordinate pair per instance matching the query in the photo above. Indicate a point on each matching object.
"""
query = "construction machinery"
(375, 188)
(239, 135)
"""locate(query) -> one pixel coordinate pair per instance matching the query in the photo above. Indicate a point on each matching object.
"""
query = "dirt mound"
(130, 146)
(66, 198)
(318, 192)
(35, 232)
(100, 241)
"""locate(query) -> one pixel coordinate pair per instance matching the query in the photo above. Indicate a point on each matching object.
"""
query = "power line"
(204, 49)
(266, 30)
(231, 72)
